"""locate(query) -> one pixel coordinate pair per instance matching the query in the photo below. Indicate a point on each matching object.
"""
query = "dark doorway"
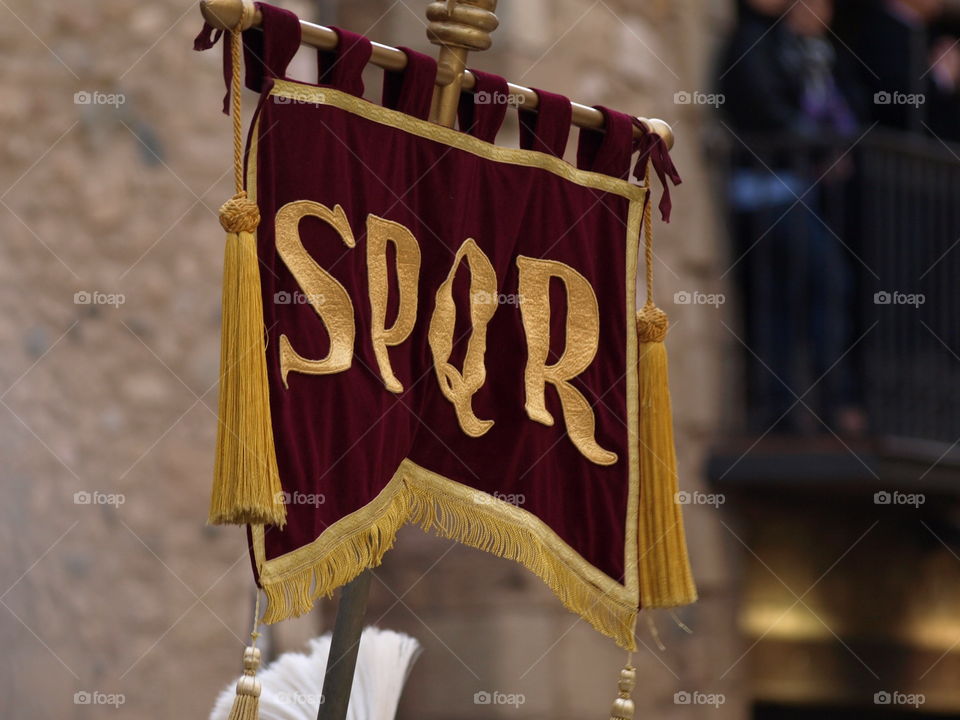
(767, 711)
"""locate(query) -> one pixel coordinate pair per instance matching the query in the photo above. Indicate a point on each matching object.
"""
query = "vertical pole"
(344, 646)
(458, 27)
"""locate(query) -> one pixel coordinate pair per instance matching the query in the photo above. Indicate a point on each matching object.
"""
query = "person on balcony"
(789, 101)
(891, 42)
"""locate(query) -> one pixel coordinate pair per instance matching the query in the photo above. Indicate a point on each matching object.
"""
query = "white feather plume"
(292, 684)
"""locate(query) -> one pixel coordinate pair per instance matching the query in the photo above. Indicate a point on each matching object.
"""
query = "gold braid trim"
(459, 513)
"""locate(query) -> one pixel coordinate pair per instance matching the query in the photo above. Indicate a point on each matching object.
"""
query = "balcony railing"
(847, 262)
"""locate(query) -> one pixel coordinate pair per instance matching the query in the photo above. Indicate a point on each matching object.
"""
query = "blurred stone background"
(139, 597)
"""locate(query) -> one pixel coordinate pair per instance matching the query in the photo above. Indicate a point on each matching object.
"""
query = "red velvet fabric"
(548, 129)
(344, 435)
(343, 68)
(482, 111)
(411, 91)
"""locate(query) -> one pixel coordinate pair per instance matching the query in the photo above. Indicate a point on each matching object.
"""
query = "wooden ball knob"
(226, 14)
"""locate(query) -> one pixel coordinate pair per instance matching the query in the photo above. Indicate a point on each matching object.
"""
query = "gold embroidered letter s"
(327, 296)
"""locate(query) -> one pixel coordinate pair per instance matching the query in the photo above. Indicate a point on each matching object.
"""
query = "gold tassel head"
(246, 705)
(239, 214)
(652, 324)
(623, 707)
(251, 659)
(248, 683)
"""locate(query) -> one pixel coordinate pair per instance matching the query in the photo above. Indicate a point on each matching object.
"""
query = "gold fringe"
(479, 524)
(293, 593)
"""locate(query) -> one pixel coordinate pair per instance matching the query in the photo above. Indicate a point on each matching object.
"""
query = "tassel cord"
(247, 487)
(648, 240)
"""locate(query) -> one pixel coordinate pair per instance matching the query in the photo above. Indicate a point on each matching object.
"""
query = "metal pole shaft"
(344, 646)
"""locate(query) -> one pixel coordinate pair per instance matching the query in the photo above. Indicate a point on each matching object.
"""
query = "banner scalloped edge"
(484, 525)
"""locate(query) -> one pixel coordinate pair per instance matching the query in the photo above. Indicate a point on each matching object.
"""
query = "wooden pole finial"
(227, 14)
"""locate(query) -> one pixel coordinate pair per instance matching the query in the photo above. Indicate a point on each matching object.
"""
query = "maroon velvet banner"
(450, 332)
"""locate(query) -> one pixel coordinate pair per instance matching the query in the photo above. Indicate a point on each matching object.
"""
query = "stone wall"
(112, 584)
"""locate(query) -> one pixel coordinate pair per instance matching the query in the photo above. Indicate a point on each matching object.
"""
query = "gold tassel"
(665, 577)
(623, 705)
(246, 706)
(246, 482)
